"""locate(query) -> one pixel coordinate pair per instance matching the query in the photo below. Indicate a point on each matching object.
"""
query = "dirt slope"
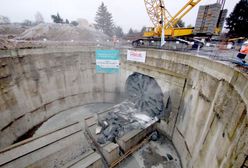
(62, 32)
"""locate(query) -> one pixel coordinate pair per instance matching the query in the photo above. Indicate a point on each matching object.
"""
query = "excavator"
(166, 25)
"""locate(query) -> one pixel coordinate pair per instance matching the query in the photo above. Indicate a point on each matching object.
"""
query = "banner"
(138, 56)
(107, 61)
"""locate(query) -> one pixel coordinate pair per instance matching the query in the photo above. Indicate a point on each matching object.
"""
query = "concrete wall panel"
(37, 84)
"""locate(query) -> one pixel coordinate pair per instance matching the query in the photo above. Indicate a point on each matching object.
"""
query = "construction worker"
(243, 51)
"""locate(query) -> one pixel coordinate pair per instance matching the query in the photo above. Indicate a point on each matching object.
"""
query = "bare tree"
(27, 22)
(38, 18)
(4, 20)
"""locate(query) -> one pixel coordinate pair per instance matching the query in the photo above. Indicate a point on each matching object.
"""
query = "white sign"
(108, 63)
(138, 56)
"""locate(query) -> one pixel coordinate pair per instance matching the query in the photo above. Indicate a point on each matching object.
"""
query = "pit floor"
(70, 116)
(155, 154)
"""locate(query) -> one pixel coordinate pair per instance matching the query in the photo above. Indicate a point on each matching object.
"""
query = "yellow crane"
(158, 14)
(166, 24)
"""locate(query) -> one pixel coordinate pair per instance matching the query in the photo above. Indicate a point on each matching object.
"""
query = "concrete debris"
(98, 130)
(144, 120)
(169, 156)
(121, 119)
(62, 32)
(142, 117)
(105, 124)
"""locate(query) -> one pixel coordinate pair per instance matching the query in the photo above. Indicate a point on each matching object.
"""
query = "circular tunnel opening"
(145, 93)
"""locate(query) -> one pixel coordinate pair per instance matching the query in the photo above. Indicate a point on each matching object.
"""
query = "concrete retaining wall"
(207, 121)
(37, 84)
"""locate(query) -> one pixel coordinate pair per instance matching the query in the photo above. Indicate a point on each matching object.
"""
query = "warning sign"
(138, 56)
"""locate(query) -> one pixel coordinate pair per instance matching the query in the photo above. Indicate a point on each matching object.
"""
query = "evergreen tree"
(143, 29)
(180, 23)
(119, 32)
(57, 18)
(130, 32)
(104, 20)
(237, 22)
(67, 21)
(74, 23)
(189, 26)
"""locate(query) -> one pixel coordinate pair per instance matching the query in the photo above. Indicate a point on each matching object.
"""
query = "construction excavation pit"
(58, 108)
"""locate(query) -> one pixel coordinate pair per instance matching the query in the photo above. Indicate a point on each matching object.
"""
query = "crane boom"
(165, 23)
(156, 11)
(181, 13)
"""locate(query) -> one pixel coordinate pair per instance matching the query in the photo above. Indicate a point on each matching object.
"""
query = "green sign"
(107, 61)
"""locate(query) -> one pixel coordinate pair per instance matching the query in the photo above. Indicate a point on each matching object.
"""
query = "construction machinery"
(165, 24)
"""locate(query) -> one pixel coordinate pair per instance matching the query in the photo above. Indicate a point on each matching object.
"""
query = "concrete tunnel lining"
(209, 99)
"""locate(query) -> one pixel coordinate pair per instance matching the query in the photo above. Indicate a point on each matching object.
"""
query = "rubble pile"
(8, 44)
(12, 29)
(143, 107)
(62, 32)
(121, 119)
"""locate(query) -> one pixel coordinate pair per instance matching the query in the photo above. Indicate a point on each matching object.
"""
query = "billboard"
(107, 61)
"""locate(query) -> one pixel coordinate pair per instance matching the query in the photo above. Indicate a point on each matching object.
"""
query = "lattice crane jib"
(156, 9)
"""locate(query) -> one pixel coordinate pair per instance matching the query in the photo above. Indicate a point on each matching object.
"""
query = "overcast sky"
(126, 13)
